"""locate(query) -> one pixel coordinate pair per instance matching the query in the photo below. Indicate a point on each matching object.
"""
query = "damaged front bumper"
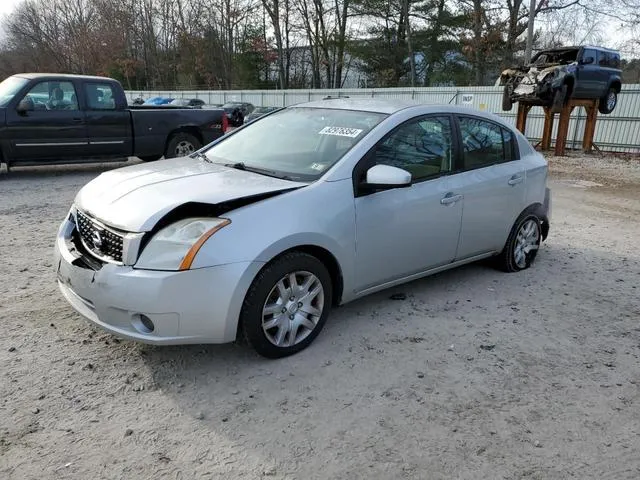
(533, 86)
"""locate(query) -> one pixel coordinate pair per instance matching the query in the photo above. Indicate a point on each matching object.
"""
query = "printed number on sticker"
(341, 131)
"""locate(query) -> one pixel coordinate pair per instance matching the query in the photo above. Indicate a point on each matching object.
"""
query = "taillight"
(225, 123)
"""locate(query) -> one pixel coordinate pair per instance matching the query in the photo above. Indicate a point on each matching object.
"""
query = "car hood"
(135, 198)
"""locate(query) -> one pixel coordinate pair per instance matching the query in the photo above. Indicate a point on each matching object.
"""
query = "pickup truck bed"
(52, 119)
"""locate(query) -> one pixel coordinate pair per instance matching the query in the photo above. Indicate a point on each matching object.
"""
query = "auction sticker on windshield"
(341, 131)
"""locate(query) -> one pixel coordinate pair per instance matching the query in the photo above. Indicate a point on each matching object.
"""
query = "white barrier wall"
(619, 131)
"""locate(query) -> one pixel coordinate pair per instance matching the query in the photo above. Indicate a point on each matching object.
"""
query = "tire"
(181, 144)
(559, 99)
(522, 247)
(269, 332)
(608, 102)
(507, 104)
(150, 158)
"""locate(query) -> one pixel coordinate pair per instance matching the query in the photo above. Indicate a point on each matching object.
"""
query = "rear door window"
(99, 96)
(485, 143)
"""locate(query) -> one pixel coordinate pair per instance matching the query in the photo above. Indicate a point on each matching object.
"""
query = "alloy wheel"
(528, 239)
(293, 309)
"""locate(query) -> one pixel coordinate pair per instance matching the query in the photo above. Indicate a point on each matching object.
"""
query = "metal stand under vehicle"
(591, 107)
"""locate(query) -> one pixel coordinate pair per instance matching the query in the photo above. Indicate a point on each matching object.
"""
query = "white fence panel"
(618, 132)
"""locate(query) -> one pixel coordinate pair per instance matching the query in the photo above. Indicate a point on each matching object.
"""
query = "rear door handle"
(450, 198)
(516, 179)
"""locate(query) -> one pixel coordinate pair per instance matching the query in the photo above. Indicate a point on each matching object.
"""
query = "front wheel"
(522, 245)
(287, 305)
(181, 144)
(608, 102)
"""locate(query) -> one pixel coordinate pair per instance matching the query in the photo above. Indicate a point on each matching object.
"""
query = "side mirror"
(386, 177)
(24, 106)
(587, 60)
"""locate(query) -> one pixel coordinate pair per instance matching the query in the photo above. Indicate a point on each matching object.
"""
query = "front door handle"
(450, 199)
(77, 120)
(516, 179)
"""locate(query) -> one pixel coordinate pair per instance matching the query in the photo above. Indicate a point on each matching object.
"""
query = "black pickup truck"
(47, 119)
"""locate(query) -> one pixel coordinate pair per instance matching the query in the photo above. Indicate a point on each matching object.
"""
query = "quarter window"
(423, 147)
(485, 143)
(52, 96)
(614, 60)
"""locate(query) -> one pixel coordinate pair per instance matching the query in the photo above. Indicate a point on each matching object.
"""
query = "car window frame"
(28, 88)
(585, 55)
(515, 151)
(367, 160)
(604, 59)
(97, 83)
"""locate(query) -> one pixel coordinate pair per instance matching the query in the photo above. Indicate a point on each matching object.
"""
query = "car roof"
(391, 106)
(601, 48)
(31, 76)
(374, 105)
(576, 47)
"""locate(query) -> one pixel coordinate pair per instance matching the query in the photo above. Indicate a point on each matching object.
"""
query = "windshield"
(298, 143)
(9, 87)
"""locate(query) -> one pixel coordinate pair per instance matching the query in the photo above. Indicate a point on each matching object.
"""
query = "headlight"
(175, 247)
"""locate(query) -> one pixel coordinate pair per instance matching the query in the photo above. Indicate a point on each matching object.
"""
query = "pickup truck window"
(52, 96)
(9, 87)
(99, 96)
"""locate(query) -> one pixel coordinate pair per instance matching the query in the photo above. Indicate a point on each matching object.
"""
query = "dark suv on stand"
(556, 75)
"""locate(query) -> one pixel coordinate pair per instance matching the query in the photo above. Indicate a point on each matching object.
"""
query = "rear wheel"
(522, 245)
(182, 144)
(286, 305)
(608, 102)
(559, 99)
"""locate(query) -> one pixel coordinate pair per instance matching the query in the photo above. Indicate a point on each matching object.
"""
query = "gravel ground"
(476, 374)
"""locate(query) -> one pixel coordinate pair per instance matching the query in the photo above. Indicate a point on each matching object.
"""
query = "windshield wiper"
(261, 171)
(201, 156)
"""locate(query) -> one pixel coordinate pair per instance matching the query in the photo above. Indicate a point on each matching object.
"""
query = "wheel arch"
(538, 209)
(616, 84)
(190, 129)
(327, 258)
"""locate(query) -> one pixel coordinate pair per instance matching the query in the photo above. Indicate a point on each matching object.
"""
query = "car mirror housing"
(386, 177)
(24, 106)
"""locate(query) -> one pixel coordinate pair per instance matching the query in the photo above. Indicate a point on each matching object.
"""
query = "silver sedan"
(262, 232)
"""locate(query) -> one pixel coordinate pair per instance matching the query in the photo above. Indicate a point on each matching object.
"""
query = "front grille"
(102, 242)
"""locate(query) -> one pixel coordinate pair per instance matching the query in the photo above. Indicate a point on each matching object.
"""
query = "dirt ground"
(477, 374)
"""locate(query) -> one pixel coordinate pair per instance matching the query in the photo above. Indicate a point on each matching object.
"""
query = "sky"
(6, 6)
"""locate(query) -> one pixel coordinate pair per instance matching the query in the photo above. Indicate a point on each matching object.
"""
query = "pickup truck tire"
(608, 102)
(181, 144)
(559, 99)
(150, 158)
(507, 104)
